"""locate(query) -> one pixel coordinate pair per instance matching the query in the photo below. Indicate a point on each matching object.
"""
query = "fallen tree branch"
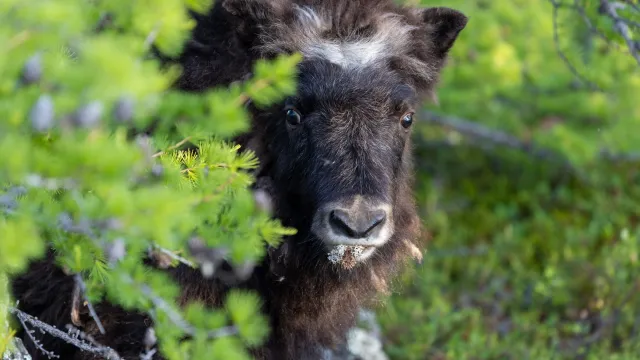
(620, 157)
(494, 136)
(481, 132)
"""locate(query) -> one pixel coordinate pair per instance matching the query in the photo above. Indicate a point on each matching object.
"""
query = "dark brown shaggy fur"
(316, 303)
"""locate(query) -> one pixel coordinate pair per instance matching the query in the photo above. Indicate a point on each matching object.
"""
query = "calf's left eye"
(406, 120)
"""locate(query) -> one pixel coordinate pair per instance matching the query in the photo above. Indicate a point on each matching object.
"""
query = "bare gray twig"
(175, 256)
(35, 341)
(151, 38)
(175, 317)
(148, 355)
(77, 339)
(83, 290)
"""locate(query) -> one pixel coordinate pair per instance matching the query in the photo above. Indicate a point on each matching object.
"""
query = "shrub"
(77, 83)
(530, 257)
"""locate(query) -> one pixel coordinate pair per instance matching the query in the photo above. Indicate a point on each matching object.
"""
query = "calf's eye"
(406, 120)
(293, 117)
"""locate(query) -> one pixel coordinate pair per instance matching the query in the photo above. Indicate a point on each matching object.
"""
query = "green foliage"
(527, 258)
(242, 307)
(5, 332)
(506, 72)
(75, 77)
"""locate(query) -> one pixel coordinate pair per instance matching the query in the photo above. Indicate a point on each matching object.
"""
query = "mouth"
(348, 256)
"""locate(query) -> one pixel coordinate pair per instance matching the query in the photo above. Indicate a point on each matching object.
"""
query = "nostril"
(376, 218)
(356, 225)
(339, 220)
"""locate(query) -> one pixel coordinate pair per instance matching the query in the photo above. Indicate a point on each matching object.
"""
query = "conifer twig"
(556, 40)
(621, 26)
(177, 145)
(592, 27)
(258, 85)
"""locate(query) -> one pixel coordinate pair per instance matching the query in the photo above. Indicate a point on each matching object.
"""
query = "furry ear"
(259, 11)
(444, 25)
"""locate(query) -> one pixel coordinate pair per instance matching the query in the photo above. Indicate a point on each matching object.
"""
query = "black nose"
(357, 224)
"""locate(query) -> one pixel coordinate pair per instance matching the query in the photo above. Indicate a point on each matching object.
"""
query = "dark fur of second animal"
(366, 64)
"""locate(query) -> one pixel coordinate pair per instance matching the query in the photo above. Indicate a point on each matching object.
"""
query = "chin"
(349, 256)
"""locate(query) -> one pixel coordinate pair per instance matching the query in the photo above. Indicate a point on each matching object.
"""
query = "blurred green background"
(528, 257)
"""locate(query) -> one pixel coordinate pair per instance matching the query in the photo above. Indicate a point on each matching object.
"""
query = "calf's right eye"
(293, 117)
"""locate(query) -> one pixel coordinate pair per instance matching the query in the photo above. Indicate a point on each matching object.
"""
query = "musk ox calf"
(336, 158)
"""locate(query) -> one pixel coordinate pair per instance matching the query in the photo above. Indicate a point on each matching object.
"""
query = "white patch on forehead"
(390, 37)
(307, 14)
(347, 54)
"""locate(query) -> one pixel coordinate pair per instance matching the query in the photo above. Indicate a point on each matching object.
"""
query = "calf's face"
(343, 146)
(340, 148)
